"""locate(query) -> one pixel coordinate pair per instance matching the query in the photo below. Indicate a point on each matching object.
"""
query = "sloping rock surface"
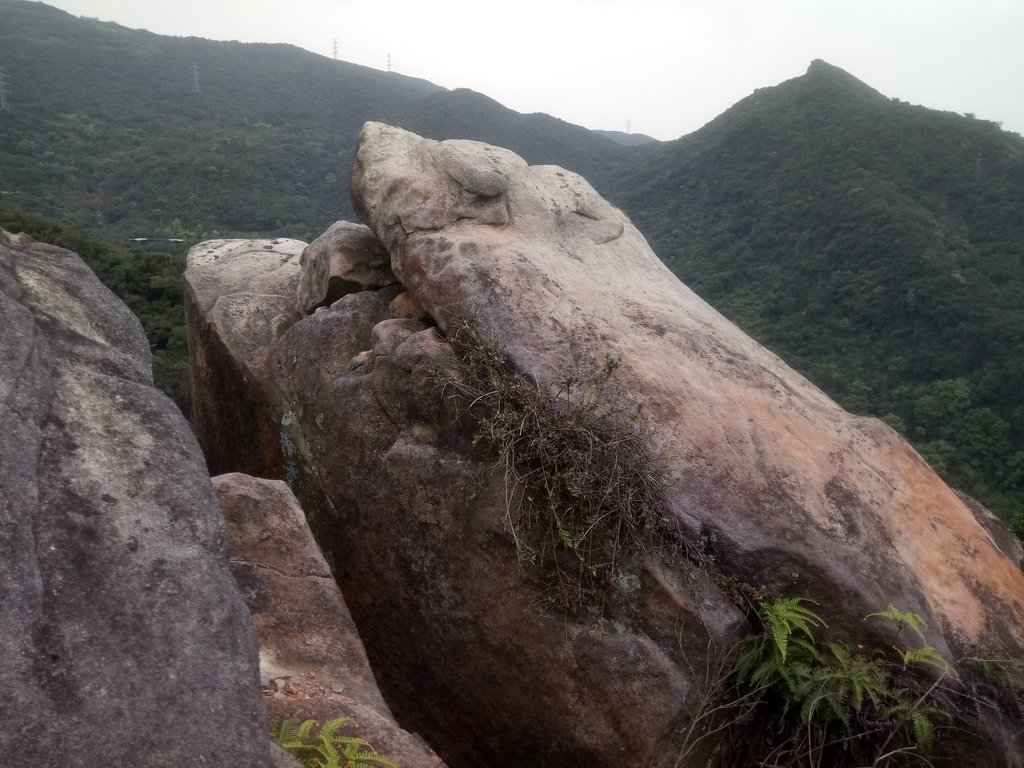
(801, 496)
(123, 639)
(312, 662)
(240, 293)
(769, 481)
(414, 520)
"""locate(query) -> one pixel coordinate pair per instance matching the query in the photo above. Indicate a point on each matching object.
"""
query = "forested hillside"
(877, 246)
(137, 134)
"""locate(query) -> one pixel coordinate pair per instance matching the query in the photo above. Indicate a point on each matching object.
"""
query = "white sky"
(665, 66)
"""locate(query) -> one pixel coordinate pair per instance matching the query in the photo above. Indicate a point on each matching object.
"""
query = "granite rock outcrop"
(123, 638)
(312, 662)
(768, 483)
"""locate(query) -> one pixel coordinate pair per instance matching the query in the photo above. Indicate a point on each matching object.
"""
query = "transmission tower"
(3, 91)
(389, 62)
(195, 78)
(335, 48)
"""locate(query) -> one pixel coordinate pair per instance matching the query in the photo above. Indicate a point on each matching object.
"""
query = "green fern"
(817, 685)
(919, 719)
(927, 656)
(329, 750)
(851, 683)
(786, 614)
(901, 620)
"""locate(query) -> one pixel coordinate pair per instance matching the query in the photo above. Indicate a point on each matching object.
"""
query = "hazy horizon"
(656, 67)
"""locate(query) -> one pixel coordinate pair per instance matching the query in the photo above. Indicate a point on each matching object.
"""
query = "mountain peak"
(820, 66)
(822, 73)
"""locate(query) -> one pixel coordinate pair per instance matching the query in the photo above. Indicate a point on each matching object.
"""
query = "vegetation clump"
(832, 703)
(585, 491)
(327, 748)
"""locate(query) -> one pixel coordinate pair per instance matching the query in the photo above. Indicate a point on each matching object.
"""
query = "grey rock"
(803, 497)
(238, 292)
(123, 639)
(345, 259)
(768, 480)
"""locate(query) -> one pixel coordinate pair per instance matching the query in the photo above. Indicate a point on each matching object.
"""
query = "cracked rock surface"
(312, 662)
(767, 479)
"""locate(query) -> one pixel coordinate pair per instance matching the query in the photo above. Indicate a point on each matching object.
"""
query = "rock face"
(801, 496)
(312, 662)
(345, 259)
(124, 639)
(769, 480)
(415, 524)
(251, 294)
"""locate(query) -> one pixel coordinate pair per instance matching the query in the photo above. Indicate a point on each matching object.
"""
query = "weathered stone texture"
(312, 662)
(124, 639)
(240, 297)
(347, 258)
(801, 496)
(768, 479)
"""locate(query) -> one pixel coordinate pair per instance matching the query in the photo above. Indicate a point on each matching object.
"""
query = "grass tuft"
(586, 492)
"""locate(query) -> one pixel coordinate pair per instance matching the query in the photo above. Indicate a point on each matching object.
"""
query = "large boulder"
(124, 639)
(312, 662)
(769, 487)
(239, 293)
(799, 495)
(414, 521)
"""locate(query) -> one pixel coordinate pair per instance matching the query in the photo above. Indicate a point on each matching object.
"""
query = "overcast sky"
(661, 67)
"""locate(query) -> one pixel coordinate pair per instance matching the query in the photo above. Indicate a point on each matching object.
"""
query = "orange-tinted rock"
(312, 662)
(801, 496)
(769, 480)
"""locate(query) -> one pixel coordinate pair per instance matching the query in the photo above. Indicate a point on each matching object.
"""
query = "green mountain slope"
(877, 246)
(130, 132)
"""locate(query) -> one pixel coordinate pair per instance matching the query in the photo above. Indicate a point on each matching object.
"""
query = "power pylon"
(3, 91)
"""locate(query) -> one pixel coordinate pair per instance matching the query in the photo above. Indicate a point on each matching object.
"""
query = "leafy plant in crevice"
(326, 748)
(585, 491)
(832, 703)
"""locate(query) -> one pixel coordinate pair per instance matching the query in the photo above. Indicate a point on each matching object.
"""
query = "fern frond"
(926, 655)
(329, 753)
(284, 731)
(785, 616)
(327, 729)
(923, 729)
(837, 654)
(372, 760)
(902, 619)
(302, 733)
(923, 720)
(354, 752)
